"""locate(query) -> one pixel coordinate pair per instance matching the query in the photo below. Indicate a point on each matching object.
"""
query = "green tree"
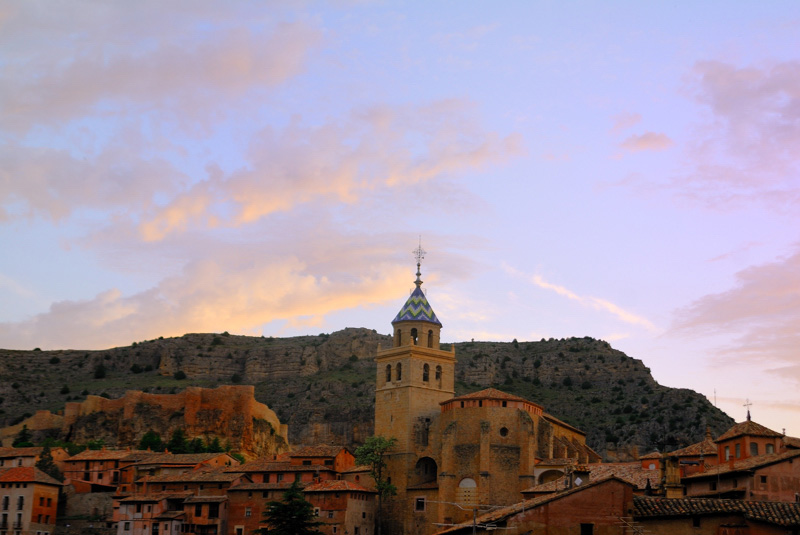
(196, 445)
(152, 441)
(373, 454)
(291, 516)
(46, 464)
(24, 438)
(178, 443)
(214, 446)
(99, 371)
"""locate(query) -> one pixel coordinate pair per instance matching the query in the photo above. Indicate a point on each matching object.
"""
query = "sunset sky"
(623, 170)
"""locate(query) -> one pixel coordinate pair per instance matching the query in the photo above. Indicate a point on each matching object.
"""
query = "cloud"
(746, 150)
(762, 311)
(140, 56)
(588, 301)
(647, 141)
(378, 148)
(208, 296)
(625, 120)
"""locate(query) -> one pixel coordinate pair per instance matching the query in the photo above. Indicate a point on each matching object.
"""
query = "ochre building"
(455, 455)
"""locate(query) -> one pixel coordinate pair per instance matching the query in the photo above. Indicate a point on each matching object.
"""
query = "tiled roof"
(750, 463)
(706, 447)
(430, 485)
(262, 465)
(99, 455)
(26, 474)
(556, 462)
(283, 485)
(651, 455)
(791, 442)
(488, 393)
(206, 499)
(555, 420)
(179, 458)
(138, 456)
(417, 308)
(360, 468)
(321, 450)
(169, 515)
(156, 496)
(336, 485)
(193, 476)
(630, 473)
(32, 451)
(505, 512)
(776, 513)
(747, 428)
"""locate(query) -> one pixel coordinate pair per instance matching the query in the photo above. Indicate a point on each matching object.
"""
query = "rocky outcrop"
(229, 413)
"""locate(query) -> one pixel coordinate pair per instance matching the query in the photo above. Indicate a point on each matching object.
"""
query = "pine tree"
(292, 516)
(372, 454)
(178, 443)
(47, 465)
(152, 441)
(24, 438)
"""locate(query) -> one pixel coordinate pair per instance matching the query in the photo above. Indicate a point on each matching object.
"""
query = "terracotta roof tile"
(747, 428)
(776, 513)
(745, 464)
(26, 474)
(99, 455)
(32, 451)
(489, 393)
(283, 485)
(179, 458)
(336, 485)
(263, 465)
(630, 473)
(156, 496)
(193, 476)
(651, 455)
(791, 442)
(706, 447)
(321, 450)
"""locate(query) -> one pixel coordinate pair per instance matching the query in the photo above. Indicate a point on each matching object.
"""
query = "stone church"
(457, 455)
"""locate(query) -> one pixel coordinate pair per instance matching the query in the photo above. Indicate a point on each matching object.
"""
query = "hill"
(323, 386)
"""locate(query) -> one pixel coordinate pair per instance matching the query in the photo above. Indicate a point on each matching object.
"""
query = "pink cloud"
(762, 311)
(59, 70)
(625, 120)
(647, 141)
(746, 151)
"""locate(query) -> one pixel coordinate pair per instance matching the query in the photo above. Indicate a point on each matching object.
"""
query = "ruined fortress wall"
(228, 412)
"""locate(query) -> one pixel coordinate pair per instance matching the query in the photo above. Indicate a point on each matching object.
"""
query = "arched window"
(426, 372)
(753, 449)
(425, 471)
(467, 491)
(414, 336)
(388, 373)
(438, 373)
(399, 372)
(397, 338)
(430, 338)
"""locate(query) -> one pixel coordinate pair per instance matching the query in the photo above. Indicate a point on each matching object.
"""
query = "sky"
(622, 170)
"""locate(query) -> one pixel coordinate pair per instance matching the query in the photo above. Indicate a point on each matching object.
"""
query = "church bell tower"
(413, 376)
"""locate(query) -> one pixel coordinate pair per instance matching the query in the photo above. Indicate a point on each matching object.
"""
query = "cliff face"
(229, 413)
(323, 386)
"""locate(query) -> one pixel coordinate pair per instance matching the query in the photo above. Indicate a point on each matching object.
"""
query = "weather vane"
(419, 254)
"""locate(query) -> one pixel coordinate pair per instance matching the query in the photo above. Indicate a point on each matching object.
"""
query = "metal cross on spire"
(748, 404)
(419, 254)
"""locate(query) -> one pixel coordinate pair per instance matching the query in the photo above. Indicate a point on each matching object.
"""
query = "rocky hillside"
(323, 386)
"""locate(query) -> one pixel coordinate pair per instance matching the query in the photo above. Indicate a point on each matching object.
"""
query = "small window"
(770, 448)
(306, 463)
(727, 453)
(438, 373)
(753, 449)
(399, 372)
(503, 431)
(430, 338)
(247, 511)
(316, 511)
(388, 373)
(419, 504)
(738, 451)
(587, 529)
(712, 485)
(426, 372)
(330, 514)
(695, 521)
(763, 480)
(414, 336)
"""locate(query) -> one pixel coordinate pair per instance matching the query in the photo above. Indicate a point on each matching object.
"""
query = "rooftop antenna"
(747, 404)
(419, 254)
